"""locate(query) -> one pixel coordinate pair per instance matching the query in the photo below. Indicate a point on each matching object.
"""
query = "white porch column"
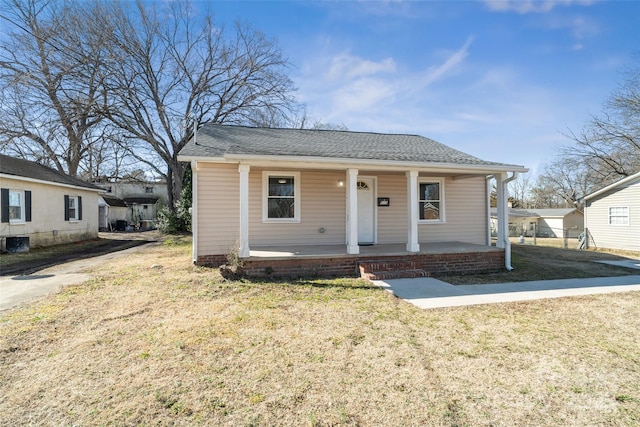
(501, 207)
(352, 212)
(243, 250)
(412, 211)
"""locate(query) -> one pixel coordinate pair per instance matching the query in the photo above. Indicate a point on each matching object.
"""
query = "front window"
(16, 206)
(619, 215)
(148, 190)
(431, 199)
(281, 196)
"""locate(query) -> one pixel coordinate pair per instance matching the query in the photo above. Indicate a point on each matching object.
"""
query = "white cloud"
(438, 72)
(531, 6)
(349, 66)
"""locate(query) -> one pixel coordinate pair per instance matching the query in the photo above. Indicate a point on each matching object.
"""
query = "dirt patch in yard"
(40, 258)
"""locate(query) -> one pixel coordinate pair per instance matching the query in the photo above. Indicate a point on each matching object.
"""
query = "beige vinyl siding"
(604, 235)
(48, 226)
(323, 206)
(218, 208)
(392, 219)
(465, 214)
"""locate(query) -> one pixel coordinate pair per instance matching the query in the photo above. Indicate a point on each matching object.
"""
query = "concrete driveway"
(16, 290)
(432, 293)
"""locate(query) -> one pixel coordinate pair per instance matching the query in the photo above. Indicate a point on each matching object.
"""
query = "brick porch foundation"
(369, 267)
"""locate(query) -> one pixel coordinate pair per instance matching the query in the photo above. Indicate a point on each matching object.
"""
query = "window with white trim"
(431, 199)
(619, 215)
(73, 208)
(280, 196)
(16, 206)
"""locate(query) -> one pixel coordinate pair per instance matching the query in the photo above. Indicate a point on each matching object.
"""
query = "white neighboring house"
(42, 207)
(548, 222)
(112, 213)
(612, 215)
(133, 203)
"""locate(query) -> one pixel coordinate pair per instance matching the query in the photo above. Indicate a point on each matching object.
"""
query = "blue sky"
(499, 80)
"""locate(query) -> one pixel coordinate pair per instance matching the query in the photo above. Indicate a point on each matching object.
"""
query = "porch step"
(384, 270)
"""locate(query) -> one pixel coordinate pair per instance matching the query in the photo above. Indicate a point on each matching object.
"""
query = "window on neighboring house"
(431, 199)
(16, 206)
(73, 208)
(281, 196)
(148, 190)
(145, 206)
(619, 215)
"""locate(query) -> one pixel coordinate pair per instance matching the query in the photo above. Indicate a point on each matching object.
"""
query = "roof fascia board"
(341, 164)
(612, 186)
(59, 184)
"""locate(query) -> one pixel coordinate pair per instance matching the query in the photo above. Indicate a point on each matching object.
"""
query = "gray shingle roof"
(215, 140)
(114, 201)
(27, 169)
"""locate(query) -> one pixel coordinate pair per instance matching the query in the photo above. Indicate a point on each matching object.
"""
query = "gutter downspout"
(194, 211)
(507, 242)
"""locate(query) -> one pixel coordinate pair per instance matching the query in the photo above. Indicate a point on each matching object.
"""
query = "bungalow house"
(299, 202)
(42, 207)
(553, 222)
(612, 215)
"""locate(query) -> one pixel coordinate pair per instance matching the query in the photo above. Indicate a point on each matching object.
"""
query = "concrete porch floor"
(336, 251)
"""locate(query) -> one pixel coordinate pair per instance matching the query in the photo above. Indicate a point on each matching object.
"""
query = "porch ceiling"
(324, 251)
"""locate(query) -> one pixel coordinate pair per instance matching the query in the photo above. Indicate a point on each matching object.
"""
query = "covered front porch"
(374, 262)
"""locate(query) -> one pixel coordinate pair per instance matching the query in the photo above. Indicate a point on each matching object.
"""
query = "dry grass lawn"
(153, 340)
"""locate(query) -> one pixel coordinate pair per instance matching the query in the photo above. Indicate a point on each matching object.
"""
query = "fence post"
(565, 235)
(535, 234)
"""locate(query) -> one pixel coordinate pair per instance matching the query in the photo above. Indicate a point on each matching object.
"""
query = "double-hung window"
(281, 196)
(16, 206)
(619, 215)
(72, 208)
(431, 199)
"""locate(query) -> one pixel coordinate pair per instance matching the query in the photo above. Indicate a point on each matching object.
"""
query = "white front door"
(366, 211)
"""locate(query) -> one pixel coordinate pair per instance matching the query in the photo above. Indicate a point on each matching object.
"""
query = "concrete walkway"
(432, 293)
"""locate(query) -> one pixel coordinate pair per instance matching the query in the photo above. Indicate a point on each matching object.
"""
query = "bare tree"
(519, 189)
(50, 84)
(563, 183)
(170, 68)
(609, 144)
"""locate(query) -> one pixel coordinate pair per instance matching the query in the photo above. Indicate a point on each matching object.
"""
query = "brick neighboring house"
(42, 207)
(317, 202)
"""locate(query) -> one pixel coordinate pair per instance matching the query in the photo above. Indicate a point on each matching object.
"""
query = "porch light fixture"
(282, 181)
(341, 183)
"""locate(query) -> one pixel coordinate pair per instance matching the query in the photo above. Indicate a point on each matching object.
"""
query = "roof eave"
(42, 181)
(611, 186)
(342, 163)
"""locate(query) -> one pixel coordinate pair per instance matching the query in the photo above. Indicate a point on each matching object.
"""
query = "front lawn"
(153, 340)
